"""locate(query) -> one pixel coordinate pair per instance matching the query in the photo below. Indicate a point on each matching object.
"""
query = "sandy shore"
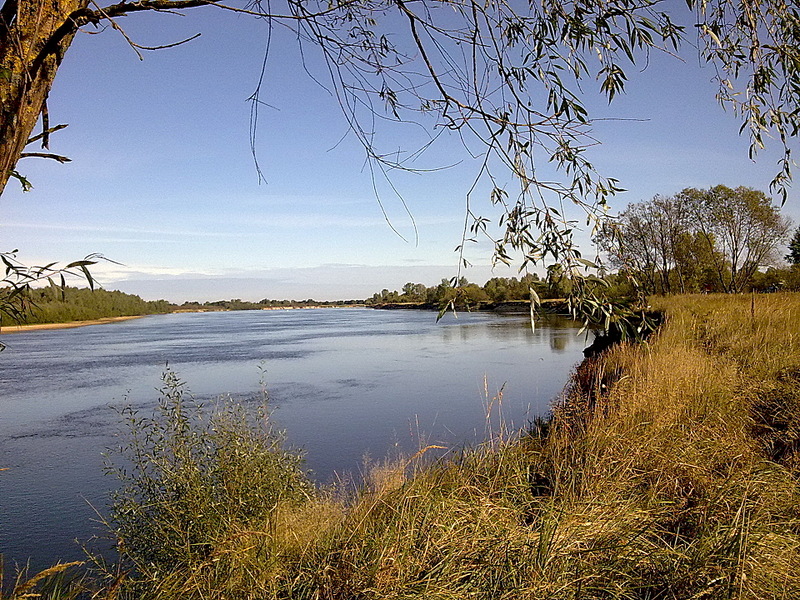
(70, 325)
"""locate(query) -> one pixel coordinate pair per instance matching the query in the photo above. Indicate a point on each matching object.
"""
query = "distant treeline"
(56, 305)
(620, 285)
(462, 292)
(237, 304)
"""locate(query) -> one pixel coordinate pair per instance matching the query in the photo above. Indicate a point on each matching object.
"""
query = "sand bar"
(69, 325)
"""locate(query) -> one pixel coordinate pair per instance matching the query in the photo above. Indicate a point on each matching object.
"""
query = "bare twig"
(46, 132)
(58, 157)
(165, 46)
(45, 126)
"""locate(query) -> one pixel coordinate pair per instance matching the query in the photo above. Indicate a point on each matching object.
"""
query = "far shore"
(72, 324)
(69, 325)
(502, 307)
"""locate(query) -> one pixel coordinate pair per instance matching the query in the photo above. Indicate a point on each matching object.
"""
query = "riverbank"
(669, 470)
(69, 325)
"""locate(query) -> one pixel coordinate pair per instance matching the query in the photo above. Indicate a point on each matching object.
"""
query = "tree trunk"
(34, 35)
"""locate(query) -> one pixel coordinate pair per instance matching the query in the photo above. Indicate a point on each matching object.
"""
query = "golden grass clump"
(62, 581)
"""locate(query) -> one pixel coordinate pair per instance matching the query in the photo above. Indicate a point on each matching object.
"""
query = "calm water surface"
(346, 384)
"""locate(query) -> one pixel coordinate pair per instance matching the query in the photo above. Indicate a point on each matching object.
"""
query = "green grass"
(669, 470)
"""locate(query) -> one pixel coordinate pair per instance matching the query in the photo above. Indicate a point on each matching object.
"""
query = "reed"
(62, 581)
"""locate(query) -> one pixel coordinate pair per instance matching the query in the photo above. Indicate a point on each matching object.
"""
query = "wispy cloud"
(303, 220)
(113, 272)
(116, 230)
(268, 201)
(310, 221)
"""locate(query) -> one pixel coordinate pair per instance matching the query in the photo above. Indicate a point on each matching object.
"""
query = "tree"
(794, 249)
(497, 288)
(632, 244)
(694, 263)
(507, 79)
(414, 292)
(698, 240)
(742, 225)
(651, 239)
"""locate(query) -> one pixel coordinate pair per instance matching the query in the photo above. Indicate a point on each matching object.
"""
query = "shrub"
(192, 477)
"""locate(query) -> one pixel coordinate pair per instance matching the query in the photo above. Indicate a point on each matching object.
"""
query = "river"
(347, 385)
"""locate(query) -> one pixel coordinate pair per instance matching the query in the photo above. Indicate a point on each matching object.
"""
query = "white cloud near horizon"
(115, 229)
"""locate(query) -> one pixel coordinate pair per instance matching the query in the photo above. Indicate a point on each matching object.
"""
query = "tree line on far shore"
(715, 240)
(266, 303)
(462, 292)
(61, 305)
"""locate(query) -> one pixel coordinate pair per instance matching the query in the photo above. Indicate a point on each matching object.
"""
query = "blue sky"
(163, 181)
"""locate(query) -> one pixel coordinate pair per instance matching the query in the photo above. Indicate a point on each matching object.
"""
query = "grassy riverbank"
(669, 470)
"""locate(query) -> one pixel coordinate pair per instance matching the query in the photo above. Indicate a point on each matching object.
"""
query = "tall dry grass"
(62, 581)
(687, 435)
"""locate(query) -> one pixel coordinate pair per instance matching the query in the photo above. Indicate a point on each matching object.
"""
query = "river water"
(347, 385)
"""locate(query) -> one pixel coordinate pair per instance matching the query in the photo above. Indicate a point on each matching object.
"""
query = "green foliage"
(17, 284)
(62, 304)
(238, 304)
(742, 227)
(615, 301)
(777, 279)
(755, 47)
(192, 477)
(698, 240)
(794, 249)
(462, 293)
(56, 304)
(235, 304)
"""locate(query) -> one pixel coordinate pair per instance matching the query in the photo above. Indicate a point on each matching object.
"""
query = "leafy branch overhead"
(513, 82)
(18, 279)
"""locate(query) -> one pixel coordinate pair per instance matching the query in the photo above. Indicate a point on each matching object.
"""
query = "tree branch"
(46, 132)
(58, 157)
(124, 8)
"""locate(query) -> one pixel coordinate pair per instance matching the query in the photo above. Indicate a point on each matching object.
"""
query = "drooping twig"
(45, 125)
